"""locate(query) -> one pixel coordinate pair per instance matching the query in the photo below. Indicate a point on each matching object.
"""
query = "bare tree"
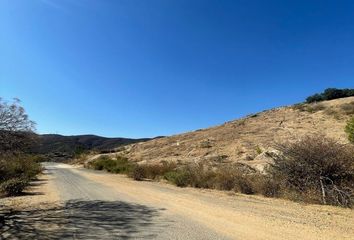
(16, 130)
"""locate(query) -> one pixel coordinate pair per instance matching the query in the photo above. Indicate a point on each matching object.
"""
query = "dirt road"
(76, 203)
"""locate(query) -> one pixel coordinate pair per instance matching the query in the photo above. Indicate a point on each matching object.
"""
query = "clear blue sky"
(159, 67)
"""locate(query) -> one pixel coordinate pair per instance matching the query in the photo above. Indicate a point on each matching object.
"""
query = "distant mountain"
(59, 147)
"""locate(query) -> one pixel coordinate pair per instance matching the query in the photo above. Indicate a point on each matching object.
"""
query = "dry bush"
(16, 171)
(300, 106)
(137, 173)
(333, 112)
(311, 108)
(155, 171)
(206, 144)
(315, 107)
(13, 186)
(348, 108)
(349, 129)
(316, 169)
(225, 178)
(151, 171)
(17, 167)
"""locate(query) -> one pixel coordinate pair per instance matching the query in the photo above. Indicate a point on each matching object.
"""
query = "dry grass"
(348, 108)
(238, 139)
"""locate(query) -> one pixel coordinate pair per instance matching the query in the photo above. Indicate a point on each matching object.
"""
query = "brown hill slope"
(249, 139)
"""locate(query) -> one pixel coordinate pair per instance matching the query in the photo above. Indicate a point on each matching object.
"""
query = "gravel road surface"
(75, 203)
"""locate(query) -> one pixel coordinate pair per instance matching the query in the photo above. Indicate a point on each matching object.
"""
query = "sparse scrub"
(154, 171)
(314, 107)
(300, 106)
(201, 176)
(258, 150)
(348, 108)
(349, 129)
(332, 112)
(206, 144)
(316, 169)
(151, 171)
(311, 108)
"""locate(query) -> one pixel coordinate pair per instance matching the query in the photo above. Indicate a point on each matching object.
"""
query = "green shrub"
(13, 186)
(314, 98)
(179, 177)
(349, 129)
(103, 163)
(20, 166)
(117, 165)
(259, 150)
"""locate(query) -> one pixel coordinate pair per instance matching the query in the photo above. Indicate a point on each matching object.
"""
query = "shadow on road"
(79, 219)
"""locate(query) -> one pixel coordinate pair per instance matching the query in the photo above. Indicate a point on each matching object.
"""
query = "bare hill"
(250, 139)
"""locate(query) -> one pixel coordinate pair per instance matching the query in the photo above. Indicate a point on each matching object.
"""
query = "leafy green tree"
(314, 98)
(329, 94)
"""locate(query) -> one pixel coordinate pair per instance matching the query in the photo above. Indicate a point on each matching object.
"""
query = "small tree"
(349, 129)
(316, 169)
(314, 98)
(16, 130)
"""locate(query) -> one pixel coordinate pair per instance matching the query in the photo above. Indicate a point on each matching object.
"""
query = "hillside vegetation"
(17, 166)
(299, 152)
(250, 140)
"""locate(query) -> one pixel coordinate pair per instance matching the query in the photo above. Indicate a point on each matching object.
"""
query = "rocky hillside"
(251, 139)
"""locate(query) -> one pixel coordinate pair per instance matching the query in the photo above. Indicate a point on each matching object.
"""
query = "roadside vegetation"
(314, 169)
(17, 166)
